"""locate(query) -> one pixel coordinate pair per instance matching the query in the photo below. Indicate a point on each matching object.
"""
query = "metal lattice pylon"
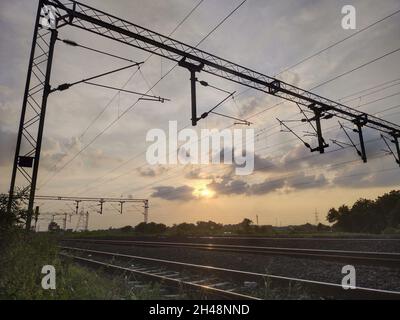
(37, 88)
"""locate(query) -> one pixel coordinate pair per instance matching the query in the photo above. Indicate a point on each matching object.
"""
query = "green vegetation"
(22, 256)
(369, 216)
(207, 228)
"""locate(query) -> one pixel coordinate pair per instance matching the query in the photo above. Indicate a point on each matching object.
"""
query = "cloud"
(151, 171)
(299, 181)
(302, 181)
(7, 146)
(146, 172)
(267, 186)
(228, 186)
(193, 174)
(173, 193)
(264, 164)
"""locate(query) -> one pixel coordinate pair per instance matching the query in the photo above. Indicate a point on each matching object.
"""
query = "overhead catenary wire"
(134, 104)
(369, 94)
(377, 100)
(274, 126)
(366, 142)
(356, 68)
(75, 44)
(134, 73)
(290, 174)
(158, 98)
(324, 83)
(330, 47)
(340, 41)
(66, 86)
(102, 111)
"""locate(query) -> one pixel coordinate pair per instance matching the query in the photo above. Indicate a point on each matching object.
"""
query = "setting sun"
(203, 192)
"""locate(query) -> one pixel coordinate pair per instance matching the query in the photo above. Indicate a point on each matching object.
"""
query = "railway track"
(389, 259)
(218, 282)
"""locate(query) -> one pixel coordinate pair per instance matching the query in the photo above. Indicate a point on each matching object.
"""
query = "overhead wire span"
(329, 47)
(205, 114)
(262, 132)
(134, 104)
(66, 86)
(377, 100)
(370, 93)
(241, 121)
(75, 44)
(160, 99)
(132, 75)
(340, 41)
(356, 68)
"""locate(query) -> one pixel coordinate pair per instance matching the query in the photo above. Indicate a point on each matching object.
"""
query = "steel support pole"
(146, 211)
(396, 142)
(361, 138)
(193, 95)
(46, 92)
(23, 111)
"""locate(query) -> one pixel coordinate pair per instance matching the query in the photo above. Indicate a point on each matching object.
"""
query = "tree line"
(381, 215)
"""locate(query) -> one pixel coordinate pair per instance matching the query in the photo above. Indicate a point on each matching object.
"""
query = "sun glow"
(203, 192)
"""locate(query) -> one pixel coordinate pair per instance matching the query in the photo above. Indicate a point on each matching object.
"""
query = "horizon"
(289, 183)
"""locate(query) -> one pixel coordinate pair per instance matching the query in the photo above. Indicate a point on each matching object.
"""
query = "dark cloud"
(146, 172)
(229, 186)
(264, 164)
(302, 181)
(194, 174)
(173, 194)
(151, 171)
(267, 186)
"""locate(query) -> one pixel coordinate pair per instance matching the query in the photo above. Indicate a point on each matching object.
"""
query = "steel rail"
(172, 281)
(332, 288)
(380, 258)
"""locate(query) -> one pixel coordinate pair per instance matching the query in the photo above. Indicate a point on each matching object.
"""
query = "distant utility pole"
(65, 221)
(316, 214)
(87, 221)
(257, 218)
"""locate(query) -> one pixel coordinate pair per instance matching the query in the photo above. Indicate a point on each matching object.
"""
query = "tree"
(54, 227)
(150, 228)
(245, 225)
(17, 215)
(368, 216)
(333, 215)
(126, 229)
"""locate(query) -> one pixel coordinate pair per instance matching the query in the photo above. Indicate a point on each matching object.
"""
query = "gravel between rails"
(328, 271)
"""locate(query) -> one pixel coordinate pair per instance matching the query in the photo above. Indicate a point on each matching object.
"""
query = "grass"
(22, 257)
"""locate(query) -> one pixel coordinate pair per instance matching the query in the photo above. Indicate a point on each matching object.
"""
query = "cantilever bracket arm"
(318, 113)
(361, 121)
(361, 153)
(396, 143)
(282, 123)
(193, 68)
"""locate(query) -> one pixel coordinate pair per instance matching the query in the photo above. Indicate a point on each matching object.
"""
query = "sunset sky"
(289, 183)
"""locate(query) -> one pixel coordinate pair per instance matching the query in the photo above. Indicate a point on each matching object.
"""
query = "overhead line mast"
(196, 60)
(54, 14)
